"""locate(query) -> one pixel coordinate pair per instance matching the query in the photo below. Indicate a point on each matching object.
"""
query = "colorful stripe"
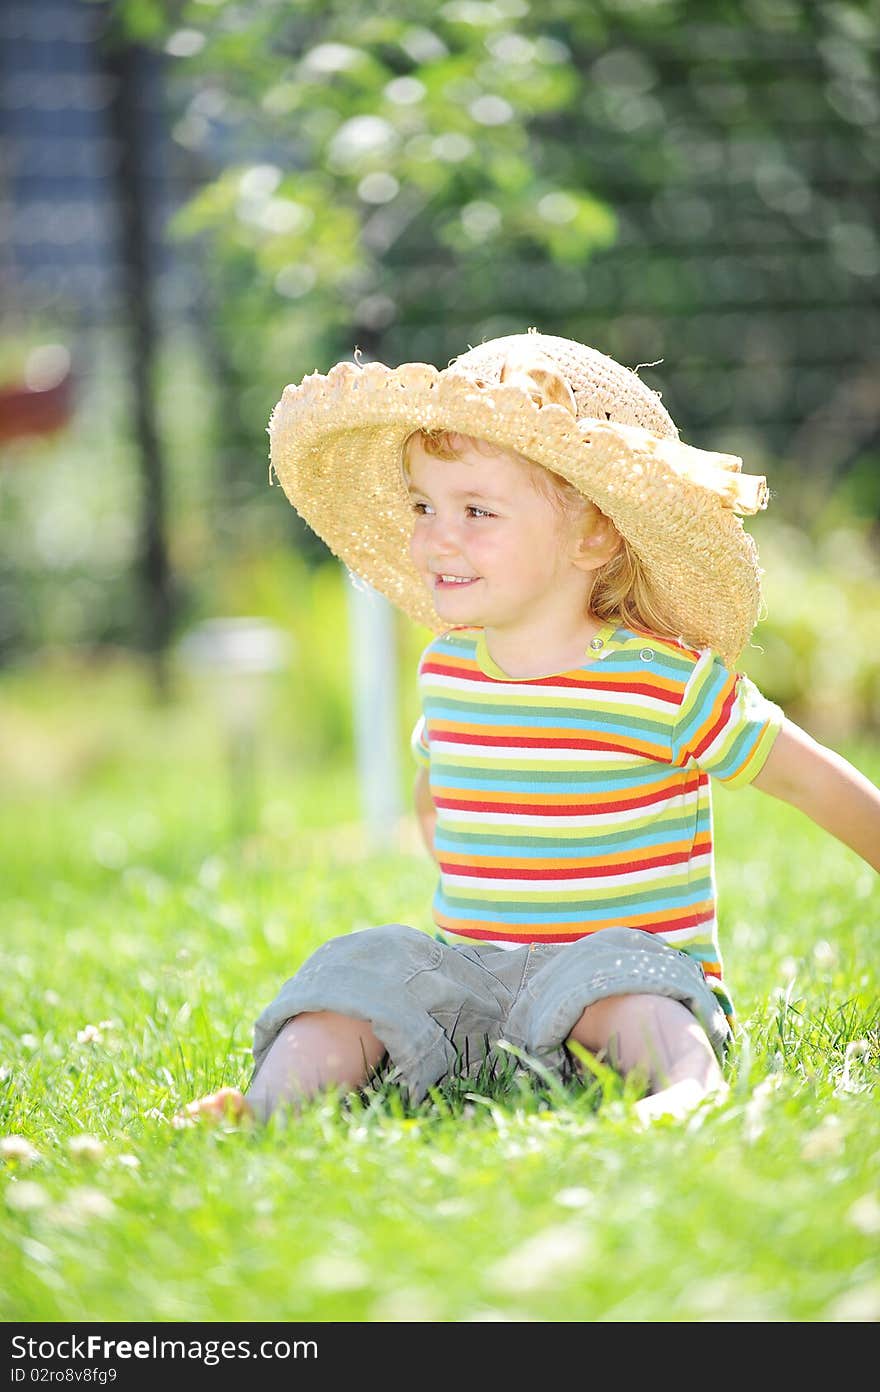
(580, 801)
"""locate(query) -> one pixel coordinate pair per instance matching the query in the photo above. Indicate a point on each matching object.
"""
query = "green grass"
(128, 906)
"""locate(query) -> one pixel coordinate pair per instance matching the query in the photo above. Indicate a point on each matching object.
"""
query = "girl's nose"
(442, 538)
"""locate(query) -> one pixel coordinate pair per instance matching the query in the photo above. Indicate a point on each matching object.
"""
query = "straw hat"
(336, 443)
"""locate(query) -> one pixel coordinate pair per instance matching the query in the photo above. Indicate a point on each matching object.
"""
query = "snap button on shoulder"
(597, 643)
(647, 654)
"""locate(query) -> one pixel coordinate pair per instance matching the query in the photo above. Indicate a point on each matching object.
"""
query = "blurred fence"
(735, 151)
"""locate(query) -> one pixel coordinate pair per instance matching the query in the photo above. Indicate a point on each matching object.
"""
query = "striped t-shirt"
(581, 801)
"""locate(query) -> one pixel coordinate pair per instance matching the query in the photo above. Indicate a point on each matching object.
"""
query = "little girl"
(592, 587)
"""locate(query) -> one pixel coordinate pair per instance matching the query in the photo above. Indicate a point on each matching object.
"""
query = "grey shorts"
(440, 1009)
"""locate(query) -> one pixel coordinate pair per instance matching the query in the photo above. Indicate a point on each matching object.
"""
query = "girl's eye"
(420, 509)
(475, 511)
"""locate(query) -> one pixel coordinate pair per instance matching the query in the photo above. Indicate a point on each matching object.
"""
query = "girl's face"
(494, 550)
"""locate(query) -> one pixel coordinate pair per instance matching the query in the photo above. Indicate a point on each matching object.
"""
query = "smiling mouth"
(450, 582)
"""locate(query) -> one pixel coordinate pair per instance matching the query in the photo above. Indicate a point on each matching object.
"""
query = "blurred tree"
(673, 176)
(368, 178)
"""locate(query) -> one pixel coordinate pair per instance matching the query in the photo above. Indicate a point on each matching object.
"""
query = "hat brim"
(336, 448)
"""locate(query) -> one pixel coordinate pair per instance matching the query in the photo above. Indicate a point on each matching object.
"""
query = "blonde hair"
(621, 589)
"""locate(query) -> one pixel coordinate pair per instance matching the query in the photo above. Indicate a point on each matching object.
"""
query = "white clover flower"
(861, 1305)
(30, 1041)
(453, 1208)
(130, 1162)
(825, 1142)
(789, 968)
(90, 1035)
(855, 1049)
(825, 955)
(85, 1147)
(572, 1198)
(864, 1215)
(18, 1148)
(413, 1305)
(81, 1205)
(335, 1271)
(490, 1316)
(90, 1203)
(24, 1196)
(755, 1116)
(543, 1260)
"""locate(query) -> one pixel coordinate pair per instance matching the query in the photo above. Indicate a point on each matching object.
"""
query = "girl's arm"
(425, 809)
(826, 787)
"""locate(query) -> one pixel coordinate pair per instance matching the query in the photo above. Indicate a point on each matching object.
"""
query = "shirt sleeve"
(419, 743)
(725, 725)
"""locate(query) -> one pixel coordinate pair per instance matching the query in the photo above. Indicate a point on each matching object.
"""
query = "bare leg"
(315, 1050)
(660, 1039)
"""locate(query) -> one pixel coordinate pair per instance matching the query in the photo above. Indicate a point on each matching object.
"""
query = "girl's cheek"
(419, 546)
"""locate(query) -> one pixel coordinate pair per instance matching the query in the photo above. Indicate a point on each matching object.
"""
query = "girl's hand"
(425, 809)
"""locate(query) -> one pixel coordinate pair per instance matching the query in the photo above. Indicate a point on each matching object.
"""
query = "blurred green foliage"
(673, 179)
(358, 172)
(816, 649)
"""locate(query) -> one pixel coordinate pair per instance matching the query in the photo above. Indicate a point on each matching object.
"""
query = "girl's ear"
(597, 542)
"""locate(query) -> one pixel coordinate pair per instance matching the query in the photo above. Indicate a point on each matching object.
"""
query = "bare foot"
(226, 1104)
(677, 1101)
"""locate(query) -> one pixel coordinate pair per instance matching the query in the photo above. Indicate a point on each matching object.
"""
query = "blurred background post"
(237, 658)
(374, 661)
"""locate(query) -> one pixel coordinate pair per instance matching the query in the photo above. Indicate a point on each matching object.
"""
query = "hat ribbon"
(717, 473)
(535, 374)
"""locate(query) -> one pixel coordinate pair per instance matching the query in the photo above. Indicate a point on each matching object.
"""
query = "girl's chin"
(457, 616)
(461, 613)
